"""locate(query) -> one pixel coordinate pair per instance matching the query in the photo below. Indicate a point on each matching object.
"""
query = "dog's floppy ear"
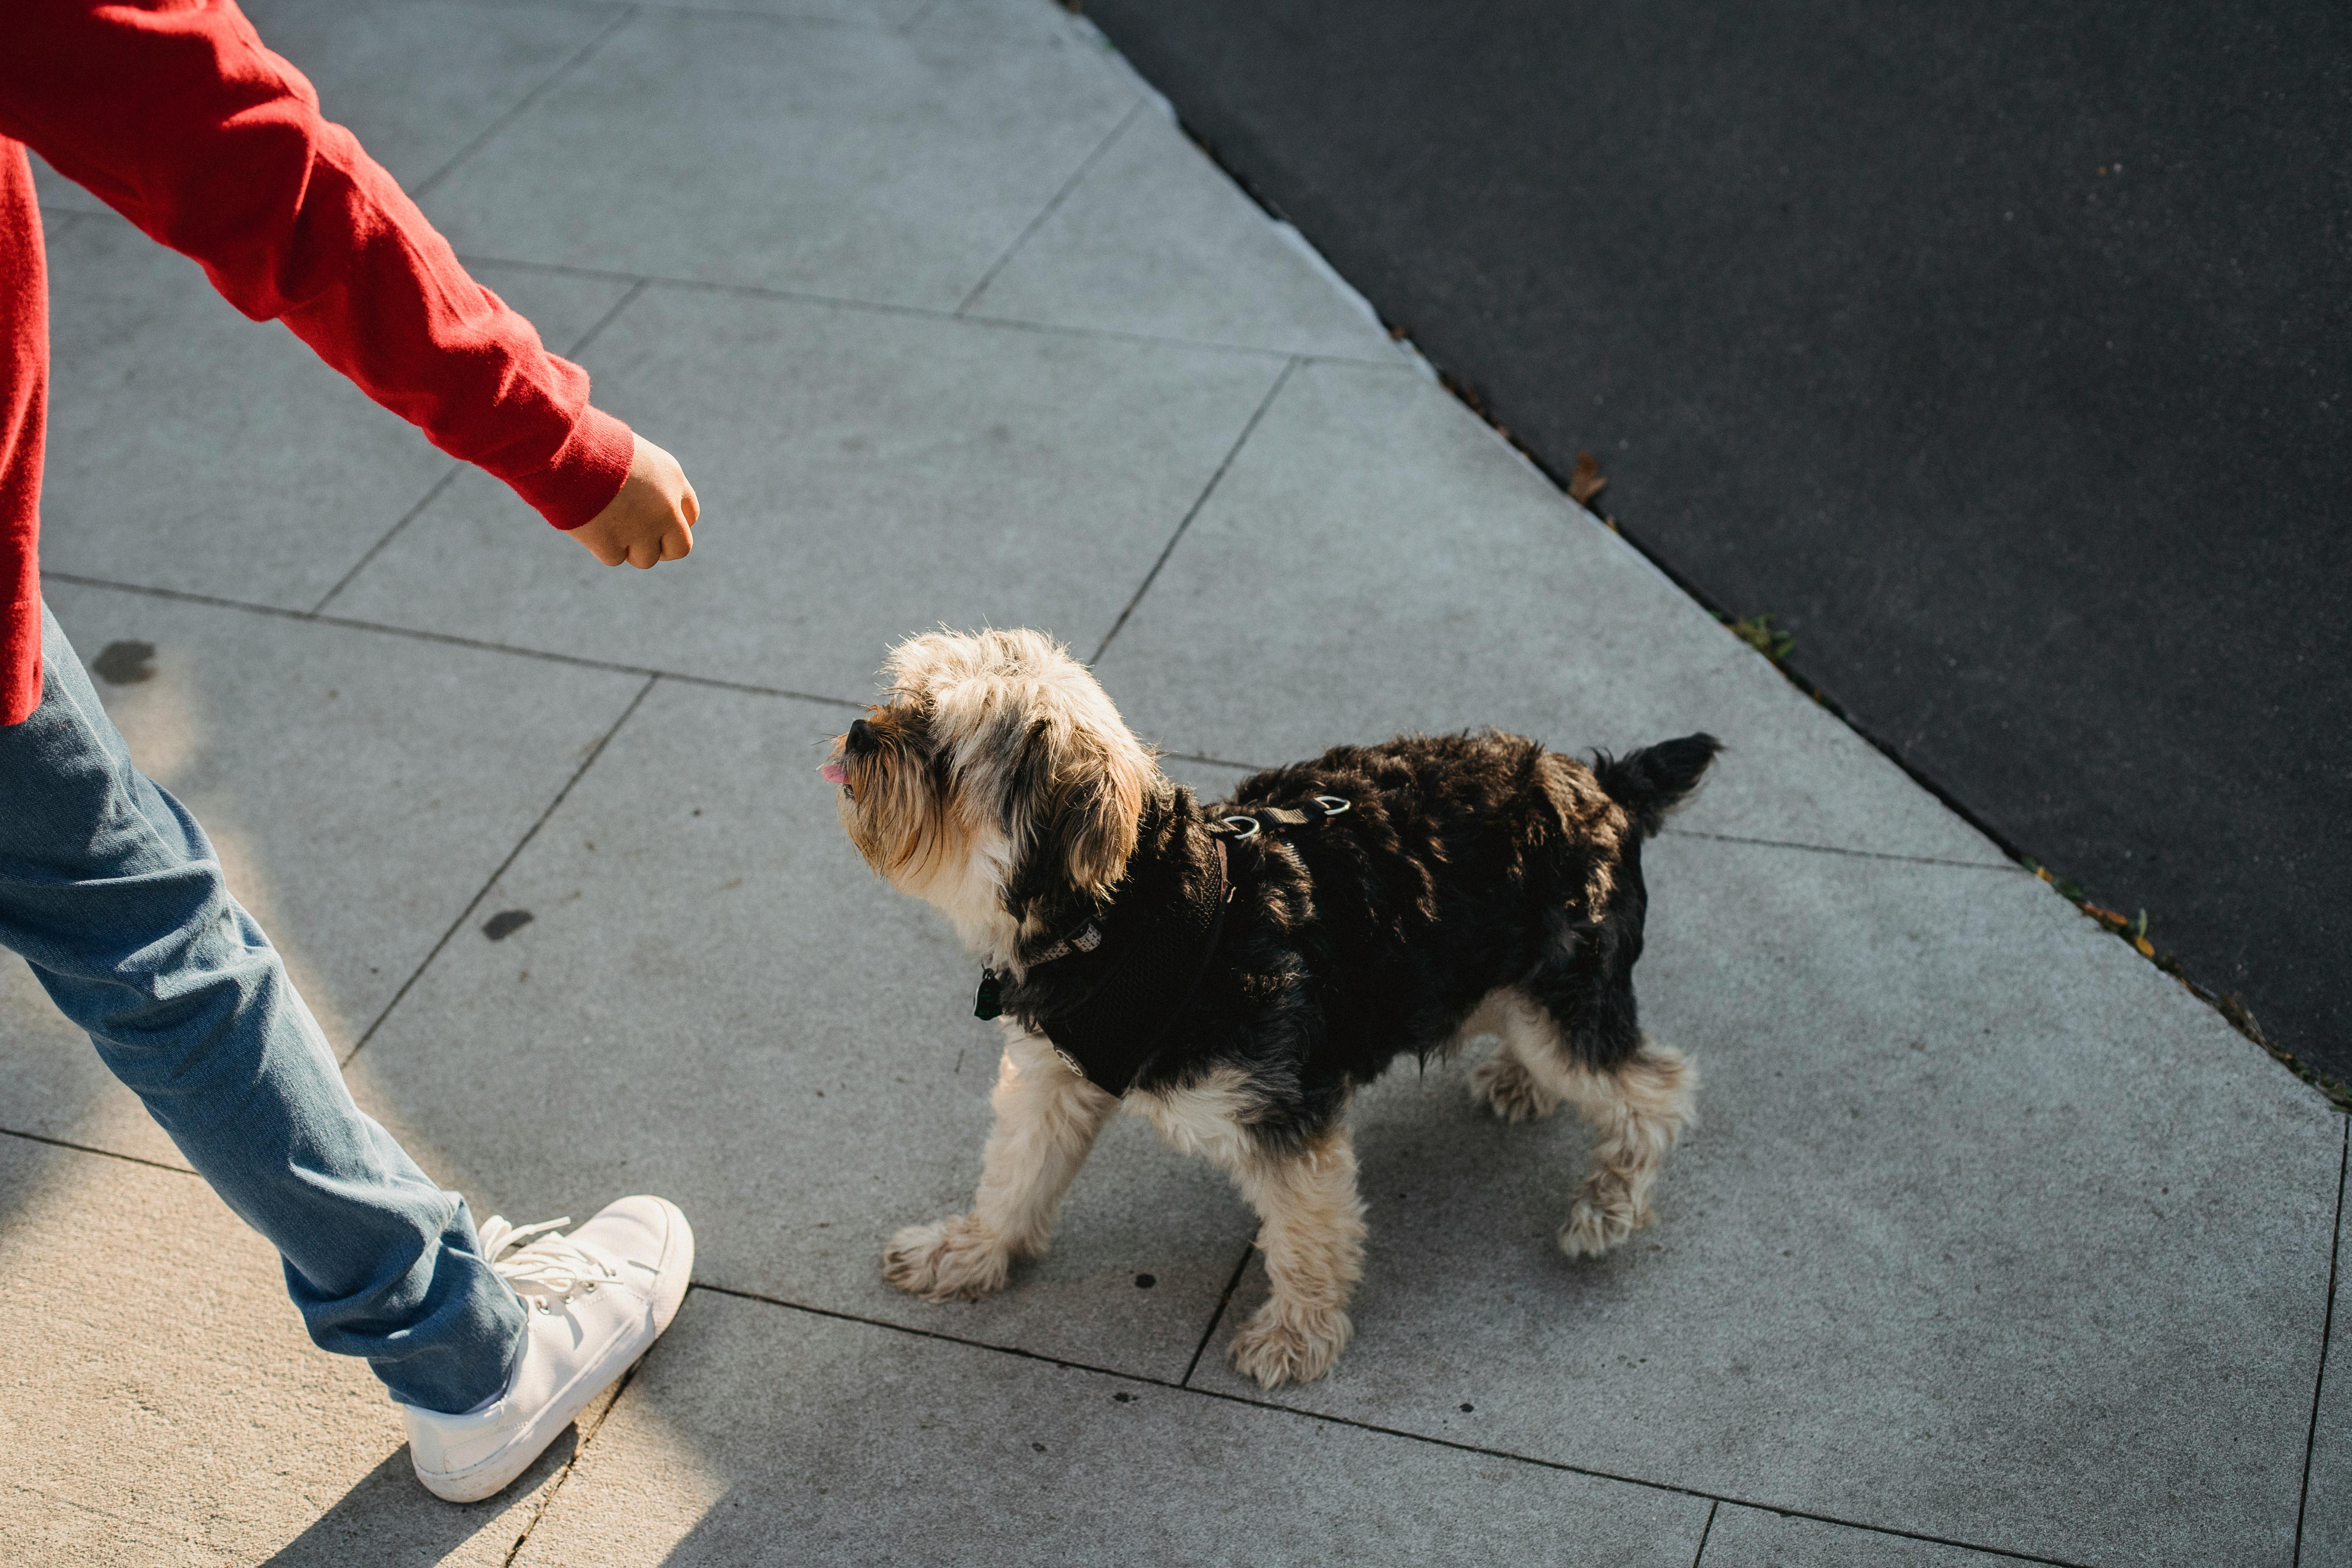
(1089, 790)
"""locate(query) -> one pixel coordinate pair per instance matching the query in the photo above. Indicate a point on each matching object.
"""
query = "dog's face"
(994, 781)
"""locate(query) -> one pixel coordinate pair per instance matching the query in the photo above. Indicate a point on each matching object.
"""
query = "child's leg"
(111, 891)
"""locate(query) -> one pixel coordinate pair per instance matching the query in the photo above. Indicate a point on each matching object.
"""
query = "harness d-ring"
(1245, 827)
(1333, 806)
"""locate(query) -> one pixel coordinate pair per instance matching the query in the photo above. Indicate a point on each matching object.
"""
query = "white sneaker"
(595, 1301)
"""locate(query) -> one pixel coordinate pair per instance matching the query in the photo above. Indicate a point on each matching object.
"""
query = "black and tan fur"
(1477, 884)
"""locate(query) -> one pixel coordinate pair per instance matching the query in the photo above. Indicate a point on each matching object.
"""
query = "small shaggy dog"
(1234, 972)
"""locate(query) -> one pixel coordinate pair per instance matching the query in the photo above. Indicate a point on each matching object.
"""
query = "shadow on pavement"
(388, 1517)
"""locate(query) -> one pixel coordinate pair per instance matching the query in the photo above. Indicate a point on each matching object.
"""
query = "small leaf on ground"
(1759, 633)
(1588, 481)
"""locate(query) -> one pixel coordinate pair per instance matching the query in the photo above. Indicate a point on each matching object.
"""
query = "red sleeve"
(172, 113)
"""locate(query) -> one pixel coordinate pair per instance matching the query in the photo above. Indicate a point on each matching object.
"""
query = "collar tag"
(988, 1002)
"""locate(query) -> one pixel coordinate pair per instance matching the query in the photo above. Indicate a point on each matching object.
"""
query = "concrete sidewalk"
(1994, 1243)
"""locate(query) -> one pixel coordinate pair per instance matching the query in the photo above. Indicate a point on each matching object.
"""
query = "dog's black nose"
(861, 734)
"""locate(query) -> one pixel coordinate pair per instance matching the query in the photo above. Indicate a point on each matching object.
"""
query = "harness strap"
(1113, 1007)
(1243, 826)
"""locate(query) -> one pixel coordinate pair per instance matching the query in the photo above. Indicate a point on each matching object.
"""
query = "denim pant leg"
(112, 893)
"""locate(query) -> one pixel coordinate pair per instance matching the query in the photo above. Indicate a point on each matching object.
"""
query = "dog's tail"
(1651, 781)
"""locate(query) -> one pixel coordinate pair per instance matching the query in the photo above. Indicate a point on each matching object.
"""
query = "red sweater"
(173, 114)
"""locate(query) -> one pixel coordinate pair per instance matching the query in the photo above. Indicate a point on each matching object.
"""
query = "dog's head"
(994, 780)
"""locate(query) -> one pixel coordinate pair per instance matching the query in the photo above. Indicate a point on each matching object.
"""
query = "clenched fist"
(651, 520)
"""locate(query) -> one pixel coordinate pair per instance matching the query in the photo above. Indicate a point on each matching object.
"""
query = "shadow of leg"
(388, 1518)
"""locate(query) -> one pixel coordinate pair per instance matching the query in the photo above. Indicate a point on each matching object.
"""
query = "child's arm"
(173, 113)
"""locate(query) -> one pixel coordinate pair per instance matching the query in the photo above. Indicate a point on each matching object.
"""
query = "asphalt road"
(2000, 352)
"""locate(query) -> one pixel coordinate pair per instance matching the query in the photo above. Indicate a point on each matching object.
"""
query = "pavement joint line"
(2326, 1335)
(448, 479)
(450, 640)
(672, 8)
(917, 312)
(755, 688)
(607, 319)
(1218, 1316)
(1085, 166)
(1239, 441)
(774, 18)
(594, 751)
(580, 57)
(1696, 832)
(1839, 849)
(1243, 1399)
(443, 484)
(778, 18)
(571, 1461)
(1212, 762)
(1705, 1530)
(101, 1154)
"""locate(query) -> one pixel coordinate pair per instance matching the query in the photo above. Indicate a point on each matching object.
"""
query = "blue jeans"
(112, 893)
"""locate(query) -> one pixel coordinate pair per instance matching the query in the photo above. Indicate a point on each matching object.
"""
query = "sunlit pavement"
(1994, 1240)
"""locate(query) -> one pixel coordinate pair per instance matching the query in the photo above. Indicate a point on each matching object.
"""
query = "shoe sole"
(497, 1472)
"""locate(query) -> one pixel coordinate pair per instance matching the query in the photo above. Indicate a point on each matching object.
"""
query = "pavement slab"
(418, 81)
(2327, 1492)
(141, 343)
(360, 788)
(61, 195)
(715, 1001)
(1754, 1538)
(863, 475)
(854, 163)
(1375, 561)
(1989, 1231)
(1155, 241)
(890, 13)
(751, 1426)
(161, 1406)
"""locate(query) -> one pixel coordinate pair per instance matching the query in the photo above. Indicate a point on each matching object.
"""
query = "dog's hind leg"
(1046, 1119)
(1503, 1081)
(1311, 1229)
(1638, 1107)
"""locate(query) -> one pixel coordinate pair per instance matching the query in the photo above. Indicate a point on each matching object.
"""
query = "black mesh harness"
(1106, 994)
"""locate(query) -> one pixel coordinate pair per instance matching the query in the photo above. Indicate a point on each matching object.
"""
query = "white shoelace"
(549, 1269)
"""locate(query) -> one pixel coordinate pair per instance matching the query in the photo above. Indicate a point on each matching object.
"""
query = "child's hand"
(651, 520)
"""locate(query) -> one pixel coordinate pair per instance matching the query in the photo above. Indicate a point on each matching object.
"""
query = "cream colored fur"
(1047, 1118)
(1639, 1110)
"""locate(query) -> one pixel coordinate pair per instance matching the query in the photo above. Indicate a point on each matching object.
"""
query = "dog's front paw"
(1283, 1344)
(950, 1259)
(1503, 1081)
(1603, 1214)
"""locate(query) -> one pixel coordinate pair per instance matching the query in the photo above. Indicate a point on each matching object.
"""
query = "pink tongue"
(832, 773)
